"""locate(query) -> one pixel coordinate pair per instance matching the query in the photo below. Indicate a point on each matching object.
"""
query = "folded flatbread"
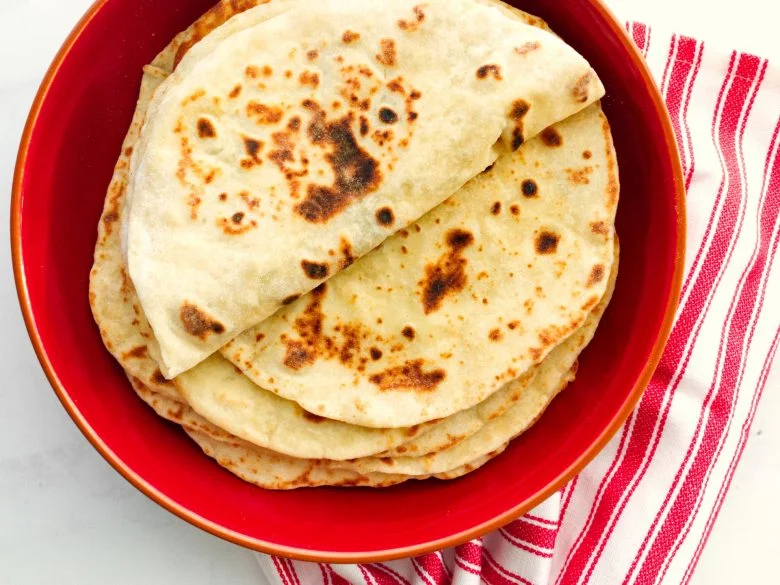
(300, 135)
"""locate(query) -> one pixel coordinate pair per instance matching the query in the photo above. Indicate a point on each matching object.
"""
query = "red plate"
(66, 158)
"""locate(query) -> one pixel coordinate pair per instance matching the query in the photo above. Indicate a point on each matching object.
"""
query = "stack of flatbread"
(355, 243)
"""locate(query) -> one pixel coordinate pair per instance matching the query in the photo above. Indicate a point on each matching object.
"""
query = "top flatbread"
(307, 134)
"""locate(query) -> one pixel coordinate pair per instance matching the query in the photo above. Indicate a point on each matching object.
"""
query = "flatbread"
(270, 470)
(214, 388)
(447, 311)
(554, 374)
(229, 399)
(232, 401)
(262, 467)
(272, 159)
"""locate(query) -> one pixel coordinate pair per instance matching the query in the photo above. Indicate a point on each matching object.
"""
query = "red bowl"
(67, 155)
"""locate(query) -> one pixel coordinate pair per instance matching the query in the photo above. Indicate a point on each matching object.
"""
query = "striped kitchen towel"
(643, 509)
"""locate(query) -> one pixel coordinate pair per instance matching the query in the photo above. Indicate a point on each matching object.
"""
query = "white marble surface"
(66, 517)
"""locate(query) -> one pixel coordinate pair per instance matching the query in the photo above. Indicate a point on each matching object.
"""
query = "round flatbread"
(468, 298)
